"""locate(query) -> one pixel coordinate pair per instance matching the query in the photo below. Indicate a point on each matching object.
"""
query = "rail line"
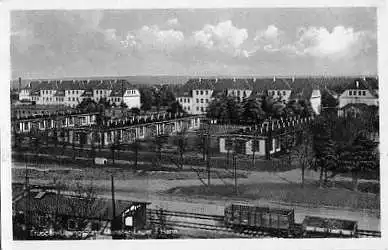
(154, 216)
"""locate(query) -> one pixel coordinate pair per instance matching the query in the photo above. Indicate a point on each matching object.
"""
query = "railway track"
(215, 223)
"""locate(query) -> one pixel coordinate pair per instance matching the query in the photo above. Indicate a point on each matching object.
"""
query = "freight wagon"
(317, 227)
(272, 220)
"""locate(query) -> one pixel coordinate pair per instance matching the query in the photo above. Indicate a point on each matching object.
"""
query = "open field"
(293, 193)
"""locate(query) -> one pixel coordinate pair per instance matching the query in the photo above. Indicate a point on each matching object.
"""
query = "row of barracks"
(86, 129)
(265, 139)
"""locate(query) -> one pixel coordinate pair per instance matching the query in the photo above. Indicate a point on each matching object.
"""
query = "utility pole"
(235, 173)
(27, 201)
(207, 154)
(113, 199)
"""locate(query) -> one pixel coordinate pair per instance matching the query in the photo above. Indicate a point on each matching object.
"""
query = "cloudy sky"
(333, 41)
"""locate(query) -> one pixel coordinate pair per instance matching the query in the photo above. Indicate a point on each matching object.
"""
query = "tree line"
(255, 109)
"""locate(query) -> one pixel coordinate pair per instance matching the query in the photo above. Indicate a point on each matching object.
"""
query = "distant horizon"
(199, 76)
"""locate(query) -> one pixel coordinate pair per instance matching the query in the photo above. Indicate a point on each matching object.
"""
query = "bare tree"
(181, 141)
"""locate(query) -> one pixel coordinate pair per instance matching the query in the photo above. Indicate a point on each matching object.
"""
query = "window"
(244, 94)
(197, 108)
(201, 100)
(197, 92)
(359, 92)
(184, 100)
(201, 109)
(188, 107)
(284, 92)
(188, 100)
(180, 99)
(354, 92)
(363, 92)
(73, 99)
(72, 92)
(350, 92)
(206, 92)
(238, 93)
(197, 100)
(278, 93)
(207, 100)
(201, 92)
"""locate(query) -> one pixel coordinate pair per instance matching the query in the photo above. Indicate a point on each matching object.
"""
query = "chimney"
(364, 78)
(20, 83)
(293, 79)
(216, 79)
(200, 79)
(234, 79)
(357, 84)
(274, 78)
(254, 79)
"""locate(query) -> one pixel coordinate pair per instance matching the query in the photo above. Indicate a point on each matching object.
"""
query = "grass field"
(310, 195)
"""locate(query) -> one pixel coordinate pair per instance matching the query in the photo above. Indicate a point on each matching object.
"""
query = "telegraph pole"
(113, 199)
(207, 154)
(235, 173)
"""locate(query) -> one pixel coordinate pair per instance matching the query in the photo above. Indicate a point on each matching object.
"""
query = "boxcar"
(260, 218)
(314, 226)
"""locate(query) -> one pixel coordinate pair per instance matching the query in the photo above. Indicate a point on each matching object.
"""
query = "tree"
(135, 148)
(135, 111)
(180, 140)
(304, 152)
(175, 107)
(324, 149)
(87, 105)
(359, 157)
(159, 141)
(123, 105)
(146, 98)
(252, 111)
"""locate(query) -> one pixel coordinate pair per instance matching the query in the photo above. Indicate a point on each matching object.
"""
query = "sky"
(194, 42)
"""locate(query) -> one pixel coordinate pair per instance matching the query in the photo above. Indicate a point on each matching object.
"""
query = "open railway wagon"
(318, 227)
(273, 221)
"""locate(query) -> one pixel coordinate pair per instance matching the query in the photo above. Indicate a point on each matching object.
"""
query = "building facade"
(72, 92)
(196, 94)
(359, 92)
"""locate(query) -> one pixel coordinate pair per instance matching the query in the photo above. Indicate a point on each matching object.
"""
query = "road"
(148, 189)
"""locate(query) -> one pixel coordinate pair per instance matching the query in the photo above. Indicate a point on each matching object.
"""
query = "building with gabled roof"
(196, 94)
(72, 92)
(359, 91)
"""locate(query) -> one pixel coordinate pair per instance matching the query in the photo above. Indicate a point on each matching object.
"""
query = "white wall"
(239, 93)
(24, 94)
(187, 103)
(316, 101)
(261, 152)
(132, 98)
(73, 97)
(283, 94)
(199, 95)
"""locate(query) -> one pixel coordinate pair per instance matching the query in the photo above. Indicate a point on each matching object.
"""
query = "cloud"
(173, 22)
(224, 37)
(340, 43)
(153, 38)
